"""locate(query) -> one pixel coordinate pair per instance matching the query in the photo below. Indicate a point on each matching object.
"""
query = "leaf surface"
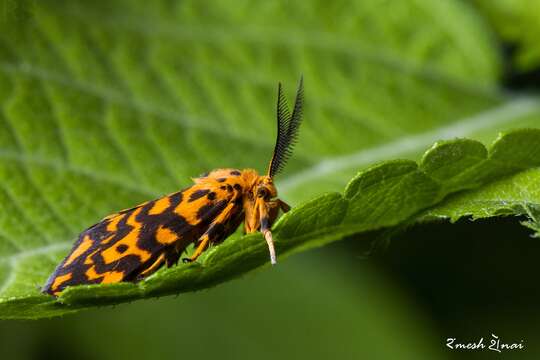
(106, 105)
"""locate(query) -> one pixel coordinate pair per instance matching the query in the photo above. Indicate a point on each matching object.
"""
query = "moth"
(133, 243)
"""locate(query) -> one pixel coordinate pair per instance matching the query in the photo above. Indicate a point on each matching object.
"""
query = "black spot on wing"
(237, 187)
(143, 214)
(230, 225)
(221, 179)
(79, 277)
(129, 265)
(179, 225)
(98, 231)
(207, 212)
(235, 173)
(198, 194)
(211, 196)
(172, 255)
(175, 199)
(168, 219)
(121, 248)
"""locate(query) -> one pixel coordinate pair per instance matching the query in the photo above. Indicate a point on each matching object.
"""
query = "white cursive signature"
(495, 344)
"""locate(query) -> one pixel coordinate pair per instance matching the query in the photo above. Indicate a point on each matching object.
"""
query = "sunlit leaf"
(104, 105)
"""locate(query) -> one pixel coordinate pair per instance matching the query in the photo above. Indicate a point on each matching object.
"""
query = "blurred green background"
(199, 79)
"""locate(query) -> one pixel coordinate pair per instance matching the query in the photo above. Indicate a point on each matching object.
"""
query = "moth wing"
(122, 245)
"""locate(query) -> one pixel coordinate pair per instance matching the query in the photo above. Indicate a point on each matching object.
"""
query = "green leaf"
(518, 23)
(382, 196)
(518, 194)
(105, 104)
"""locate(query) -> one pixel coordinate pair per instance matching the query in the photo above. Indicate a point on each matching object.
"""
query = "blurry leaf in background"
(473, 278)
(517, 22)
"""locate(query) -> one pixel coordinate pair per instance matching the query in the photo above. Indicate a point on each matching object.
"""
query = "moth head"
(264, 188)
(288, 125)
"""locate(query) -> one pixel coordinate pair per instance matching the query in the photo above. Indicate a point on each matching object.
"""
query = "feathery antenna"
(287, 129)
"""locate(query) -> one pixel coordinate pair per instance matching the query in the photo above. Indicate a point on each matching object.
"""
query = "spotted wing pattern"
(123, 245)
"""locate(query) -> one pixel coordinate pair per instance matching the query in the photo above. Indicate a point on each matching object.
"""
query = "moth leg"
(152, 268)
(172, 256)
(200, 248)
(273, 210)
(212, 232)
(283, 206)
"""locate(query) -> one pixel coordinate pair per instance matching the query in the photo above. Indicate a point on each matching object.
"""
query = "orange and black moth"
(133, 243)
